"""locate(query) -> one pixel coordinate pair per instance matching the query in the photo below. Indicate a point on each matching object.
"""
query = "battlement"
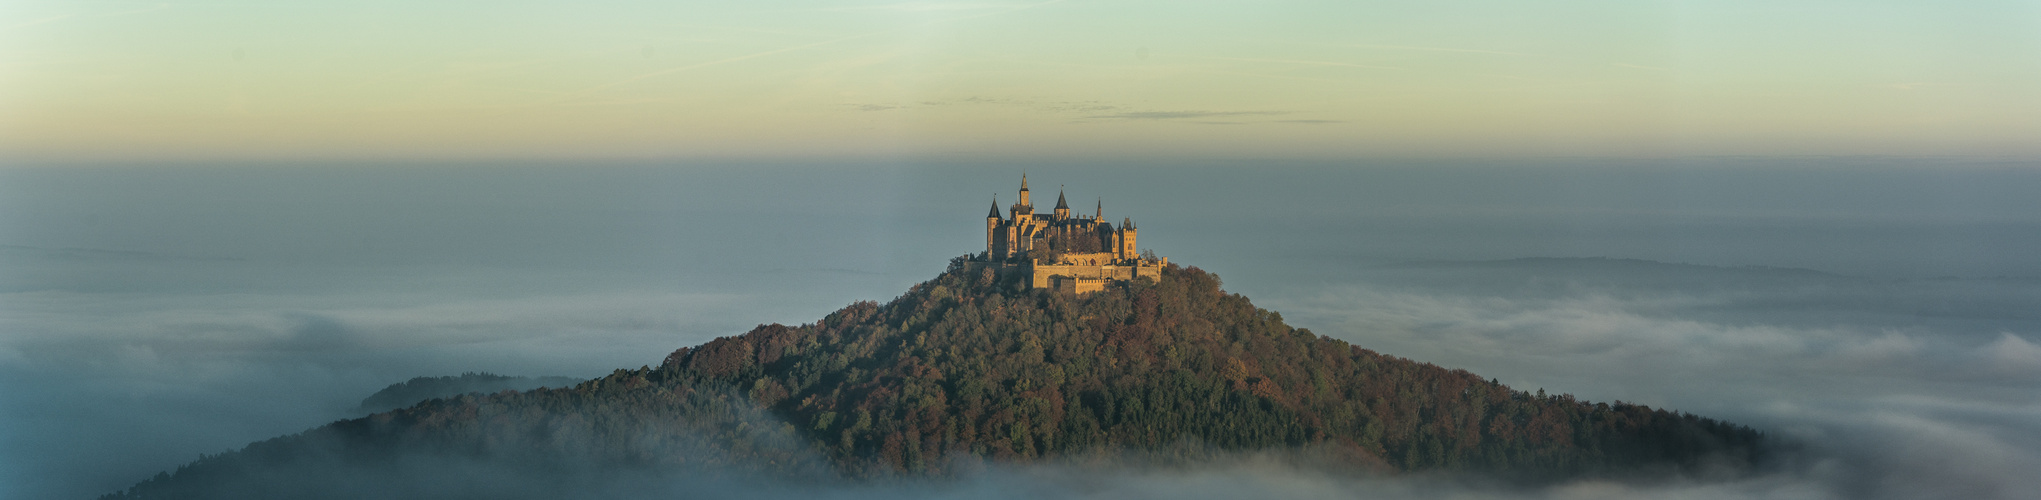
(1065, 252)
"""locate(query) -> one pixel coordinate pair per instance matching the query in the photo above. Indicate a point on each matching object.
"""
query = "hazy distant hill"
(1549, 272)
(1606, 264)
(419, 389)
(968, 366)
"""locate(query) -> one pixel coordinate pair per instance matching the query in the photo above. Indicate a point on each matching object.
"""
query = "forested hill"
(411, 392)
(972, 365)
(968, 363)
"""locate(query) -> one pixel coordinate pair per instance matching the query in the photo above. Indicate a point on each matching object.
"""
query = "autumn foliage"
(975, 367)
(961, 366)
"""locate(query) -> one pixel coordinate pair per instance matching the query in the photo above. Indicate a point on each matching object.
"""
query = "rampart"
(1043, 275)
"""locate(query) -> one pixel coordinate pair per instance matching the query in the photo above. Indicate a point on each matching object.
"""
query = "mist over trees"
(971, 363)
(419, 389)
(470, 382)
(970, 368)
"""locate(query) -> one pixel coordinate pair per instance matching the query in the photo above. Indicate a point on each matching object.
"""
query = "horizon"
(223, 222)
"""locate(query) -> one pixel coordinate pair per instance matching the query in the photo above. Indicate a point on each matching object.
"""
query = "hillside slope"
(968, 365)
(418, 389)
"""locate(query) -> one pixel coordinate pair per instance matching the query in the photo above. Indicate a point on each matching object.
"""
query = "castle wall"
(1090, 259)
(1041, 275)
(1078, 286)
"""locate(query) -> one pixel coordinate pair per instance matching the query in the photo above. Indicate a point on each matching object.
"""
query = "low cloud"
(1093, 110)
(2014, 356)
(246, 306)
(1884, 407)
(1047, 106)
(107, 389)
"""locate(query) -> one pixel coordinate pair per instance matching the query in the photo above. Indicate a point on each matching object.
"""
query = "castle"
(1064, 252)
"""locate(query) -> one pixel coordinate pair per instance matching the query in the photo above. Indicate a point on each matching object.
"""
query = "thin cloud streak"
(46, 20)
(795, 48)
(1303, 62)
(56, 19)
(717, 62)
(1180, 115)
(1436, 49)
(1639, 66)
(915, 7)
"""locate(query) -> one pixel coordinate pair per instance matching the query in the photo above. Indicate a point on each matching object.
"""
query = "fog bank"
(149, 314)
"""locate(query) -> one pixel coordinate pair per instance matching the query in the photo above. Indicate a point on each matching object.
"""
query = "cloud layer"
(149, 315)
(1939, 407)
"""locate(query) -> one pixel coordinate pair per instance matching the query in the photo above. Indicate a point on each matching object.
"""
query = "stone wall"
(1040, 275)
(1089, 259)
(1078, 286)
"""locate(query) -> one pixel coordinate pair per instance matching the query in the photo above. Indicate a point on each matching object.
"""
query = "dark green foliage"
(613, 437)
(960, 366)
(969, 365)
(417, 390)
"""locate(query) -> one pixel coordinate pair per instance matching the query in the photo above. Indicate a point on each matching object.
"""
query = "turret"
(992, 231)
(1024, 194)
(1062, 207)
(1128, 249)
(1024, 211)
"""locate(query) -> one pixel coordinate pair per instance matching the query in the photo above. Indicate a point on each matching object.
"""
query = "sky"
(222, 222)
(381, 80)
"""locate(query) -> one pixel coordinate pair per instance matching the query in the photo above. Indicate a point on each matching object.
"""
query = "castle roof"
(994, 214)
(1060, 204)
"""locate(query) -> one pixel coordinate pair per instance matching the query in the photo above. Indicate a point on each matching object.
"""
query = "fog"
(1882, 312)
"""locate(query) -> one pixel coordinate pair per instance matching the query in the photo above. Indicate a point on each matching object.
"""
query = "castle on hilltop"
(1061, 251)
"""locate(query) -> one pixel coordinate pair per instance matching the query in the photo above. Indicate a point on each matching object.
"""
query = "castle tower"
(1062, 207)
(992, 230)
(1023, 214)
(1024, 194)
(1128, 249)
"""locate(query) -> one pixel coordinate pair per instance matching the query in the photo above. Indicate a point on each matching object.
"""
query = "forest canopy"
(975, 367)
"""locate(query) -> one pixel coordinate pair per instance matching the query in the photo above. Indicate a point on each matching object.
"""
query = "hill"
(963, 368)
(419, 389)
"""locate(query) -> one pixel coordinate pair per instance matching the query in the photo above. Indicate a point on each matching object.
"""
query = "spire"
(1100, 212)
(1060, 204)
(1024, 201)
(995, 208)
